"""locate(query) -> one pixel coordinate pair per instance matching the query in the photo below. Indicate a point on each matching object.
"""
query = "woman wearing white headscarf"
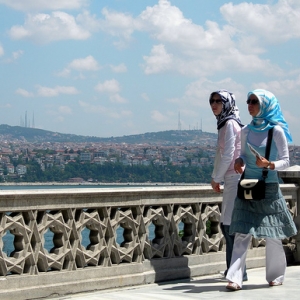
(229, 125)
(268, 218)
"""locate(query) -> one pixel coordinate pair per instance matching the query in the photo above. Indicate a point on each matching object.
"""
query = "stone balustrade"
(166, 233)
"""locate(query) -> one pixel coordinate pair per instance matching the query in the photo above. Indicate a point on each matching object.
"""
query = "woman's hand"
(261, 162)
(215, 186)
(239, 166)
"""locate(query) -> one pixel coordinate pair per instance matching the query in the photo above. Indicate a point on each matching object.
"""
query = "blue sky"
(122, 67)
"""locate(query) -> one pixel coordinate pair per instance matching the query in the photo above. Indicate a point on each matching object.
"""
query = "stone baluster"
(292, 175)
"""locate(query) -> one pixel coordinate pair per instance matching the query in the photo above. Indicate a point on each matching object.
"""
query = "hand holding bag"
(254, 189)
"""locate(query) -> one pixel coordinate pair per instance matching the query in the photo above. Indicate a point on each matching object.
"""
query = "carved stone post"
(292, 175)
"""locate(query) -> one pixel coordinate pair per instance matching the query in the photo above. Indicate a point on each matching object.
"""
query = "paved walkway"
(206, 287)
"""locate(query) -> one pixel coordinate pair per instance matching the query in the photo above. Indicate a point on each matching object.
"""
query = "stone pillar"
(292, 175)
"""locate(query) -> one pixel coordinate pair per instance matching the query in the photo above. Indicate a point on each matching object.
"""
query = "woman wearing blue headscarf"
(268, 218)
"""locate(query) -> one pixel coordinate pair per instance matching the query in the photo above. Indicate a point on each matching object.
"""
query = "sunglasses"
(217, 101)
(252, 101)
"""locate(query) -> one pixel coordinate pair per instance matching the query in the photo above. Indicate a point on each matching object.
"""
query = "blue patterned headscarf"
(270, 114)
(229, 109)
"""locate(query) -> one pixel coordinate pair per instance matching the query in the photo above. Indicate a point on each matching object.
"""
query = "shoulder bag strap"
(268, 148)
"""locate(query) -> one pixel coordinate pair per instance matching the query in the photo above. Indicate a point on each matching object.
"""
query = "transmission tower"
(179, 123)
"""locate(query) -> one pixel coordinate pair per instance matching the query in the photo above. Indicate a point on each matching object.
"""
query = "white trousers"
(229, 194)
(275, 259)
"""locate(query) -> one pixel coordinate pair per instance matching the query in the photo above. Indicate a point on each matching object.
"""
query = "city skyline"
(118, 67)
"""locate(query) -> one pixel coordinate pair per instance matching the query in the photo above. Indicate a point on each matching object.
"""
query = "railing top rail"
(35, 199)
(128, 189)
(105, 190)
(16, 200)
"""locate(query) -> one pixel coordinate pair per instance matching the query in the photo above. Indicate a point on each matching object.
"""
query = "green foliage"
(117, 173)
(40, 152)
(208, 227)
(181, 233)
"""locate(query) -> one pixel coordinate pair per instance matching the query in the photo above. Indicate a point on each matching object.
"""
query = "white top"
(229, 146)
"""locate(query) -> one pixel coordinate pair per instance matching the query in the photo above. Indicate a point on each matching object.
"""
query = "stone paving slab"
(206, 287)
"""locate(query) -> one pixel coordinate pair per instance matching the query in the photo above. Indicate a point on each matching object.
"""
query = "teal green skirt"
(268, 218)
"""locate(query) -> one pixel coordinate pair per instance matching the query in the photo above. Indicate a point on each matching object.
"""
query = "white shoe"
(222, 273)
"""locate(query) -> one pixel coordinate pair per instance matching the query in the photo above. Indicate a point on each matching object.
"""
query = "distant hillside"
(40, 135)
(170, 137)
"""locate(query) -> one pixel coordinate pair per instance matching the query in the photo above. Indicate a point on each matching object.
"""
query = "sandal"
(274, 283)
(233, 286)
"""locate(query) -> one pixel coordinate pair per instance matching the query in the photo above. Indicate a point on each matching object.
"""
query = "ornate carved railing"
(133, 236)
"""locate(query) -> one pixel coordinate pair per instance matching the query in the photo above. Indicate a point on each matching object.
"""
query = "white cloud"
(158, 116)
(194, 50)
(145, 96)
(281, 87)
(1, 51)
(65, 110)
(64, 73)
(104, 111)
(126, 113)
(109, 86)
(292, 120)
(236, 60)
(116, 98)
(58, 114)
(118, 25)
(92, 108)
(24, 93)
(88, 63)
(14, 56)
(269, 23)
(17, 54)
(112, 88)
(85, 64)
(158, 61)
(167, 24)
(38, 5)
(197, 92)
(7, 105)
(88, 21)
(45, 28)
(209, 63)
(121, 68)
(53, 92)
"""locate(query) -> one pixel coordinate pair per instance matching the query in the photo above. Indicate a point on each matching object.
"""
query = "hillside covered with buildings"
(31, 155)
(34, 155)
